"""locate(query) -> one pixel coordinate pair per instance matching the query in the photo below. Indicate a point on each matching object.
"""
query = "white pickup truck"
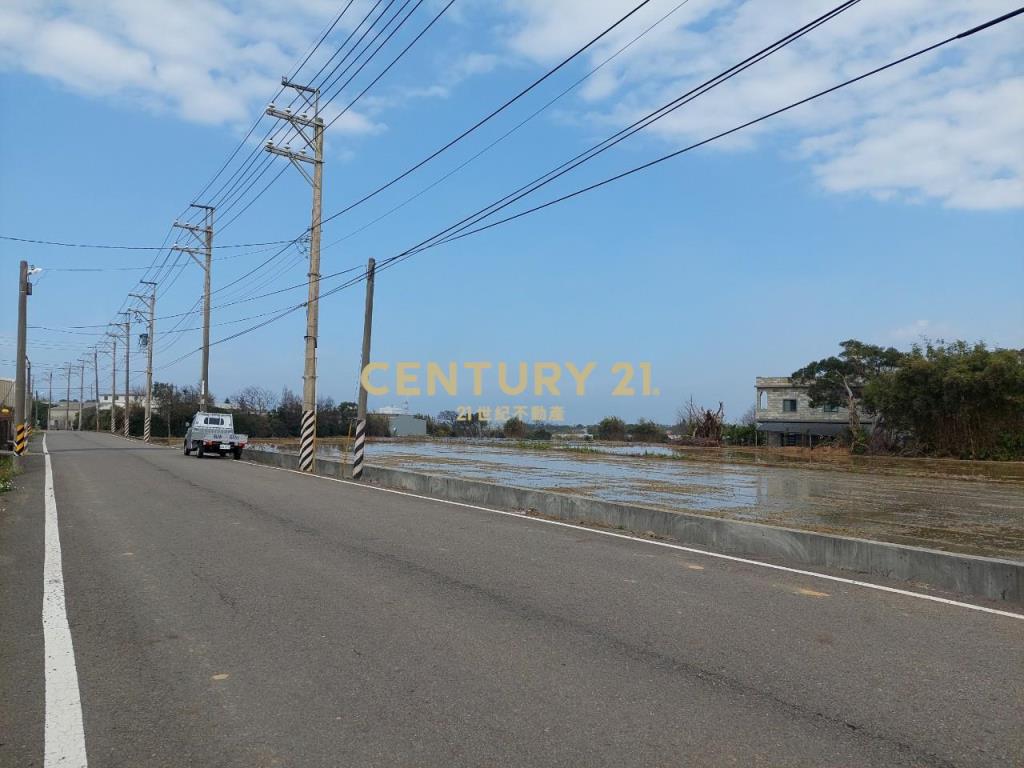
(213, 433)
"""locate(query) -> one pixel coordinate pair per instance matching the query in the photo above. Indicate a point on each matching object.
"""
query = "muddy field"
(972, 507)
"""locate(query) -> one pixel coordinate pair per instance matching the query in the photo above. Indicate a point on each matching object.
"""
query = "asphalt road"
(225, 614)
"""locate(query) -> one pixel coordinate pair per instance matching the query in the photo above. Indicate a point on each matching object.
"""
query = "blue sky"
(888, 212)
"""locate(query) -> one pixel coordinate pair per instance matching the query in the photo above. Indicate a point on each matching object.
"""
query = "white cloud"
(203, 61)
(945, 127)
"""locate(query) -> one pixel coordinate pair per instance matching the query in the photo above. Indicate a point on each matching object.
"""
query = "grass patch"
(6, 473)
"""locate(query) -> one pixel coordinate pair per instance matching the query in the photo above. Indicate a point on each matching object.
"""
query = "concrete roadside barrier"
(985, 577)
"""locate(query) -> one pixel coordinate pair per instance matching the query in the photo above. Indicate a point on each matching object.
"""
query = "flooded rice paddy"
(957, 506)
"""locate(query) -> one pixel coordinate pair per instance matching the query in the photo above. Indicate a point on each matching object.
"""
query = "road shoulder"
(22, 690)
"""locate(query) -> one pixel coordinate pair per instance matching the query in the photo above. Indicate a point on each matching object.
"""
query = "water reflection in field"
(968, 515)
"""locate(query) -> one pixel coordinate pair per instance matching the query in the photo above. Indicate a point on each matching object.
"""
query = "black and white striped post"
(360, 444)
(307, 441)
(357, 461)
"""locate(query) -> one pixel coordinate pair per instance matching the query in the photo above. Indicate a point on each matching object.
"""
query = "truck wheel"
(199, 451)
(237, 453)
(188, 451)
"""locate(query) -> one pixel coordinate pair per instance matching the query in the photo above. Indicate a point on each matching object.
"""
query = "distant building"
(403, 424)
(6, 412)
(118, 400)
(64, 414)
(393, 410)
(785, 416)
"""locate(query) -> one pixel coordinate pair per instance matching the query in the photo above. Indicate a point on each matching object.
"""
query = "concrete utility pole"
(81, 393)
(357, 461)
(96, 374)
(49, 402)
(24, 291)
(206, 239)
(67, 403)
(113, 383)
(150, 299)
(29, 420)
(303, 124)
(127, 370)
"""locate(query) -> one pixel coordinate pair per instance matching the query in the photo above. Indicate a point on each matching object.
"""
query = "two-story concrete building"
(785, 416)
(135, 399)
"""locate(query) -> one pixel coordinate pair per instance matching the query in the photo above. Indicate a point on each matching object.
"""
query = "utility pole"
(207, 252)
(150, 299)
(24, 291)
(30, 422)
(113, 383)
(81, 392)
(49, 403)
(303, 123)
(127, 368)
(67, 403)
(357, 461)
(96, 374)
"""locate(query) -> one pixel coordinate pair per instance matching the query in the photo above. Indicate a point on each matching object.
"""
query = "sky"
(889, 212)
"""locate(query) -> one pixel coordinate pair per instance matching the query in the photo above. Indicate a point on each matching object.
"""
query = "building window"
(761, 401)
(830, 409)
(789, 406)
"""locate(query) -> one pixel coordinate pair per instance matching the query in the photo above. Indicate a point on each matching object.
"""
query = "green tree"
(648, 432)
(955, 399)
(515, 428)
(840, 380)
(611, 428)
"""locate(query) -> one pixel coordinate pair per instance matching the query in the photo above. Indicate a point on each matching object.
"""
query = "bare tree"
(703, 423)
(253, 399)
(749, 417)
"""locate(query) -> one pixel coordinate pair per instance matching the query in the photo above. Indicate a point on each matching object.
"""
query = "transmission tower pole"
(96, 374)
(204, 236)
(310, 129)
(150, 300)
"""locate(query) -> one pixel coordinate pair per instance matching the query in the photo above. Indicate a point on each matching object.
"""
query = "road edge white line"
(668, 545)
(63, 733)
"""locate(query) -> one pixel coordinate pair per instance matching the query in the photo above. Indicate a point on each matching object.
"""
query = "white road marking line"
(667, 545)
(64, 737)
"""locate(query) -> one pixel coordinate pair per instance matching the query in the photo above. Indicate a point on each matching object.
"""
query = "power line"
(221, 196)
(372, 55)
(509, 132)
(721, 135)
(399, 257)
(482, 121)
(296, 70)
(487, 118)
(108, 247)
(633, 128)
